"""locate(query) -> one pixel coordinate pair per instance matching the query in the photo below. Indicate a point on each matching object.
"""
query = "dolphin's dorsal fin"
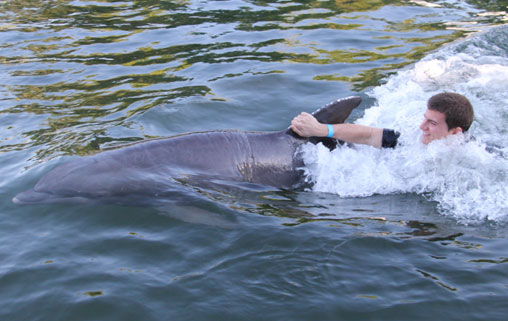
(335, 112)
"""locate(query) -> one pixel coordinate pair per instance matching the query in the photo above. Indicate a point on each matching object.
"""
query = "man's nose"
(423, 125)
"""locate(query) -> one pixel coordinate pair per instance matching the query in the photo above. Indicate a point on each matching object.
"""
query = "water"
(392, 234)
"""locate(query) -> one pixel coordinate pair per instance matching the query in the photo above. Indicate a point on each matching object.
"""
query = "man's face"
(434, 126)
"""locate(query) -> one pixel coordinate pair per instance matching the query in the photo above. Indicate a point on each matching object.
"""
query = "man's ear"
(454, 131)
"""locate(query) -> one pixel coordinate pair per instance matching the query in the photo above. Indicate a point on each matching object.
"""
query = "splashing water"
(465, 174)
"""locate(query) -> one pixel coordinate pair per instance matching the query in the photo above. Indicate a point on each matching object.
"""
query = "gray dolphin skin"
(153, 168)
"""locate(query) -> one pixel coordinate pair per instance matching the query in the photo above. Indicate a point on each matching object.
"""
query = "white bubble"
(467, 177)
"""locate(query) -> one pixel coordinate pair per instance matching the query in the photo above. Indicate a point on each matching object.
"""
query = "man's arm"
(306, 125)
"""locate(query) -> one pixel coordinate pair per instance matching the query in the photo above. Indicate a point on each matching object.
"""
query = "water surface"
(81, 76)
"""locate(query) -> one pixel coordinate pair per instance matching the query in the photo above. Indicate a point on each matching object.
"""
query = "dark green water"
(81, 76)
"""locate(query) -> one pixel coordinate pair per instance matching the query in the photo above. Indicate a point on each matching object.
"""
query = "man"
(447, 114)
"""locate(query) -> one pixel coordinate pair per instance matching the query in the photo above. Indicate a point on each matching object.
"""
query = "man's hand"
(306, 125)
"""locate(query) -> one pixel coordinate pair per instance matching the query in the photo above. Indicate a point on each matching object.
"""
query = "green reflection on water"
(93, 293)
(374, 76)
(82, 117)
(91, 66)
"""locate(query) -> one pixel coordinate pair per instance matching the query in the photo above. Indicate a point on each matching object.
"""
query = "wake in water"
(465, 174)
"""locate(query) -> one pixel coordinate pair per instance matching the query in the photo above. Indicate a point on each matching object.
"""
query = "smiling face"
(434, 126)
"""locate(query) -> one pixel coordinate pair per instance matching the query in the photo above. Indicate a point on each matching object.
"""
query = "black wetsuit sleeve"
(390, 138)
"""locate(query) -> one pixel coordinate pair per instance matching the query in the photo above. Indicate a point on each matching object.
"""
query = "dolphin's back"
(150, 168)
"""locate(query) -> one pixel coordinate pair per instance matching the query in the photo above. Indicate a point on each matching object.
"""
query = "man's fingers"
(296, 129)
(299, 123)
(293, 127)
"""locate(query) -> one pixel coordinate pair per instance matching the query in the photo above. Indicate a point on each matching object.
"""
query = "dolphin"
(153, 169)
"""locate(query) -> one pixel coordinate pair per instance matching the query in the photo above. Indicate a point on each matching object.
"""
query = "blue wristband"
(330, 130)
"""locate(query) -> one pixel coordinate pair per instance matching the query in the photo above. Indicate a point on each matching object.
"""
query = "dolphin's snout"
(29, 197)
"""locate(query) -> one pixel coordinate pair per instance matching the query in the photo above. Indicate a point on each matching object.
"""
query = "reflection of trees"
(77, 63)
(365, 5)
(494, 6)
(84, 117)
(372, 77)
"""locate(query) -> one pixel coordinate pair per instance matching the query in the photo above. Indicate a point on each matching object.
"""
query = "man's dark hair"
(457, 109)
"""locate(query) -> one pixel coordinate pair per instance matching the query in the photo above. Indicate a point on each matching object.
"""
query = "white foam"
(463, 175)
